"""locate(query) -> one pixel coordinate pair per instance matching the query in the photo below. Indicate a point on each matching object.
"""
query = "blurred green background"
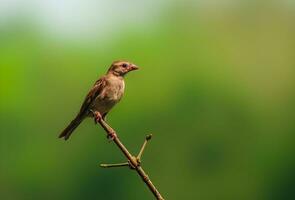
(216, 88)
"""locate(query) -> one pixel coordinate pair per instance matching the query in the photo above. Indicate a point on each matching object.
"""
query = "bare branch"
(133, 162)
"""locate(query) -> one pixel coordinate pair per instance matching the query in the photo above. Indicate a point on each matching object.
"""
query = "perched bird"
(105, 93)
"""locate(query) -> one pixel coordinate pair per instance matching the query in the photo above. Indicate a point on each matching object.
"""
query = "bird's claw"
(97, 117)
(111, 136)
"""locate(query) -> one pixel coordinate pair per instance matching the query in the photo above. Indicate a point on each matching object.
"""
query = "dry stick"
(133, 162)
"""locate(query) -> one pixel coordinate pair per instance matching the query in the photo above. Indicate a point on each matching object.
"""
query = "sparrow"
(103, 96)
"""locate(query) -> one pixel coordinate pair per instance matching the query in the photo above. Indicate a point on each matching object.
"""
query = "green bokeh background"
(216, 89)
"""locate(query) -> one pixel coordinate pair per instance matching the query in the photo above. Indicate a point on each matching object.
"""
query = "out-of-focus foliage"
(216, 88)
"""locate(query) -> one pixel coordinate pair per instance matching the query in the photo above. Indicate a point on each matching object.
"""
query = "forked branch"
(133, 162)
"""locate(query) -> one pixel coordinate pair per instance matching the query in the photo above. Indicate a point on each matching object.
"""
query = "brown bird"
(105, 93)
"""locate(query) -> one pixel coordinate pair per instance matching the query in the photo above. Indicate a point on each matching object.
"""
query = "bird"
(103, 96)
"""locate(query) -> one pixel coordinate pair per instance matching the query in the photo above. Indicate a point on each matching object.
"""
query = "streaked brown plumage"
(105, 93)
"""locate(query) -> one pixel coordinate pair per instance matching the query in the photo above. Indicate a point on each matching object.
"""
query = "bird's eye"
(124, 65)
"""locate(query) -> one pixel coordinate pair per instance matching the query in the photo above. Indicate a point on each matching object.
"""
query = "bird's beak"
(133, 67)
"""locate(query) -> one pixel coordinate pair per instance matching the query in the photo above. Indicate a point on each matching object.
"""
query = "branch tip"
(149, 136)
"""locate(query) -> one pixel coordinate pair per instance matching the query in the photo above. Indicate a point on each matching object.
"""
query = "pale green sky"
(80, 18)
(86, 18)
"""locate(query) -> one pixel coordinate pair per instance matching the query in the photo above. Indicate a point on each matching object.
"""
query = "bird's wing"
(91, 96)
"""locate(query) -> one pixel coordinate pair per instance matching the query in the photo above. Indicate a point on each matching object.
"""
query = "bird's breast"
(110, 96)
(114, 90)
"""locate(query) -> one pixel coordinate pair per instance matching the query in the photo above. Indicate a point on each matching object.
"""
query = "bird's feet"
(111, 136)
(97, 117)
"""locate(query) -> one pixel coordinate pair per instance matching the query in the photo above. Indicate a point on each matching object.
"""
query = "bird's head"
(121, 68)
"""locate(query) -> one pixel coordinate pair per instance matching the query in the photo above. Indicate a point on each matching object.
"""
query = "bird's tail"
(71, 127)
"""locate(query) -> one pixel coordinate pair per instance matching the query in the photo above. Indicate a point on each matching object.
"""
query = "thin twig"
(114, 165)
(133, 162)
(147, 138)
